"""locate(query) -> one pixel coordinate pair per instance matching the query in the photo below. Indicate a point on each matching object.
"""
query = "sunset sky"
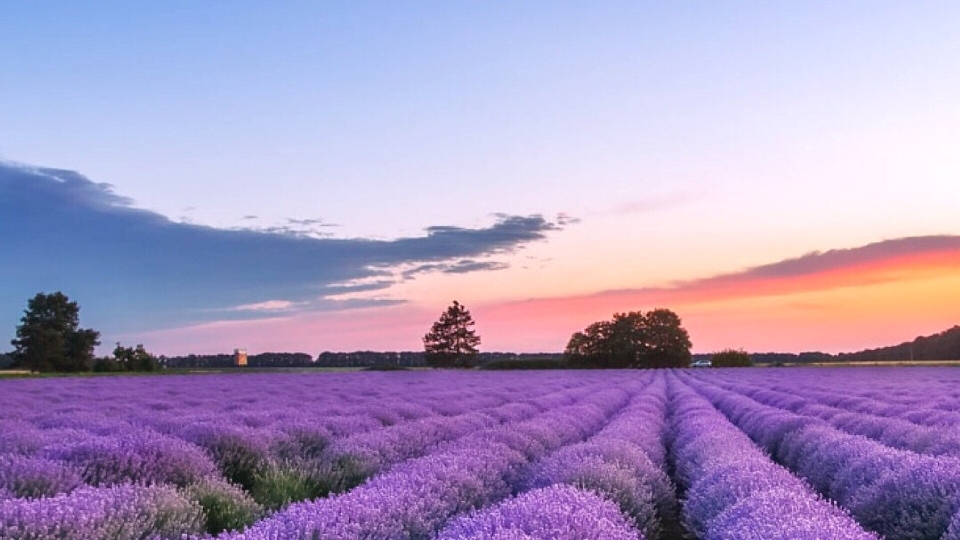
(310, 176)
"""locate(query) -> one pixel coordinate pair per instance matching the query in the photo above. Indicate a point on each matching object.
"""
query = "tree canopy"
(452, 341)
(127, 359)
(49, 337)
(632, 340)
(731, 358)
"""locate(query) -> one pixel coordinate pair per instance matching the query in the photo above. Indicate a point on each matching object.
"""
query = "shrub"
(225, 506)
(31, 476)
(731, 358)
(122, 512)
(240, 454)
(276, 486)
(144, 457)
(560, 512)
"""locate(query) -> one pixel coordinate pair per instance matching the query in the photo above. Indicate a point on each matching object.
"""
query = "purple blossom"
(557, 512)
(140, 456)
(121, 512)
(32, 476)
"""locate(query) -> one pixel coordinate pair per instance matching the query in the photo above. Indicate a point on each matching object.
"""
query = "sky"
(312, 176)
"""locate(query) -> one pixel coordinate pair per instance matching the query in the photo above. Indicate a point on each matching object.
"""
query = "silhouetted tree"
(666, 342)
(731, 358)
(451, 341)
(632, 340)
(49, 337)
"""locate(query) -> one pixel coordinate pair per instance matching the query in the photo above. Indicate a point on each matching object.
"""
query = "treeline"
(777, 359)
(417, 359)
(942, 346)
(361, 359)
(269, 359)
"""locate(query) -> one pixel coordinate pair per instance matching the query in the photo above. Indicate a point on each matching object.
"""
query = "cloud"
(654, 203)
(463, 266)
(268, 305)
(135, 269)
(566, 219)
(888, 260)
(300, 228)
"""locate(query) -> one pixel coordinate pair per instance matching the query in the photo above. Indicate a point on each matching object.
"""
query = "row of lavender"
(453, 456)
(892, 463)
(732, 490)
(93, 448)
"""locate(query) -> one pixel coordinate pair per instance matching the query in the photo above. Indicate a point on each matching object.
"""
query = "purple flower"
(557, 512)
(120, 512)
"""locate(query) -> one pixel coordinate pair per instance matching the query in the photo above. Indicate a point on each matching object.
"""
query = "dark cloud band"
(134, 268)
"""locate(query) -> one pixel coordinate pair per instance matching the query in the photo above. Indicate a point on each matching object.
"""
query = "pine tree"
(49, 337)
(451, 341)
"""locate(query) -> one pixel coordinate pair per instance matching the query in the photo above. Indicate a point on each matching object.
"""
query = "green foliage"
(238, 461)
(731, 358)
(656, 339)
(451, 341)
(49, 337)
(318, 477)
(302, 443)
(226, 507)
(279, 485)
(134, 359)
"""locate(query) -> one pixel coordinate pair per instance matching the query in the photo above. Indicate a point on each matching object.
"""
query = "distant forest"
(942, 346)
(336, 359)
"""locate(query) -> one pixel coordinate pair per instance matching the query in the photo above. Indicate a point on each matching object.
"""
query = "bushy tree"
(49, 337)
(452, 341)
(632, 340)
(134, 359)
(731, 358)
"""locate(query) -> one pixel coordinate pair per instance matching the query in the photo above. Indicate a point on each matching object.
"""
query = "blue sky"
(643, 144)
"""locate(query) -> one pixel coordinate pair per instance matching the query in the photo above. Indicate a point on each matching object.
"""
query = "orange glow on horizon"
(845, 309)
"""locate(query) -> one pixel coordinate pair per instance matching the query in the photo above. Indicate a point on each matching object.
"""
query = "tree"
(49, 337)
(134, 359)
(632, 340)
(667, 343)
(731, 358)
(451, 341)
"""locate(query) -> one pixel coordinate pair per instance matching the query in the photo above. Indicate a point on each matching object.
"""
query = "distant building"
(240, 357)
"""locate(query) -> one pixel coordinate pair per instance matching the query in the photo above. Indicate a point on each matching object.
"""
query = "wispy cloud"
(133, 268)
(300, 228)
(462, 266)
(268, 306)
(654, 203)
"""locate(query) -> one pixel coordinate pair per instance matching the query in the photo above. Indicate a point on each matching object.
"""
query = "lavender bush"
(557, 513)
(121, 512)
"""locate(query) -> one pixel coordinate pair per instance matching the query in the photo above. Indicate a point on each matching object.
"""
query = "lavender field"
(710, 454)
